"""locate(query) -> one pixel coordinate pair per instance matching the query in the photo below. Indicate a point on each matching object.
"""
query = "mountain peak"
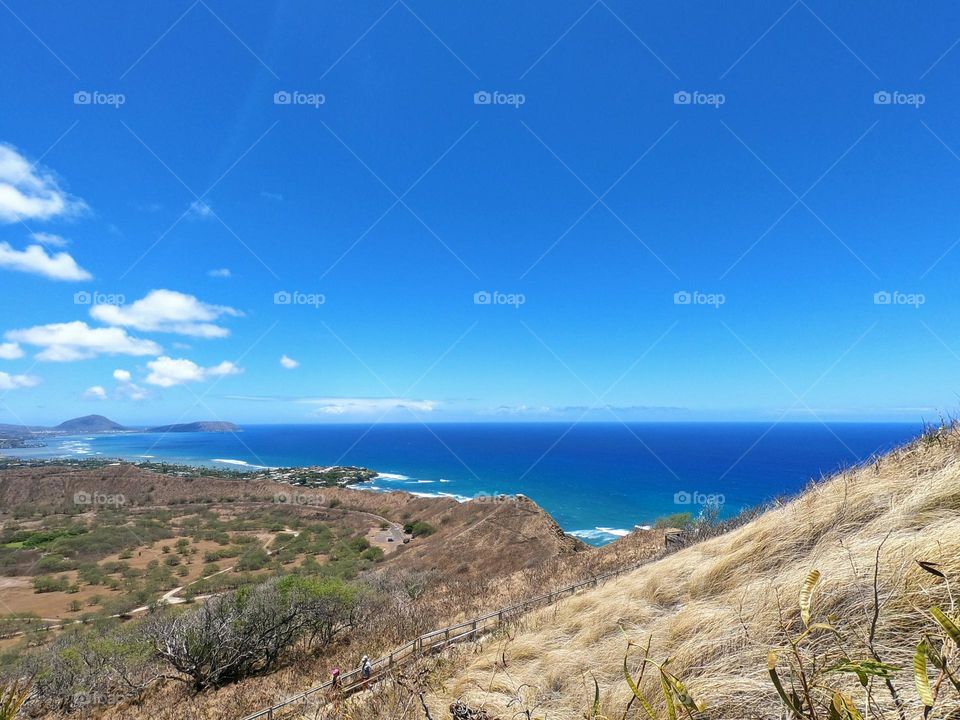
(90, 423)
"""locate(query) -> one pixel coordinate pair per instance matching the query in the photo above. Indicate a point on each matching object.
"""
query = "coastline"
(599, 483)
(298, 476)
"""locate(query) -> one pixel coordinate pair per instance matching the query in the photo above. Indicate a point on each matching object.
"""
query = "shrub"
(229, 637)
(676, 520)
(48, 583)
(419, 528)
(373, 554)
(254, 559)
(358, 544)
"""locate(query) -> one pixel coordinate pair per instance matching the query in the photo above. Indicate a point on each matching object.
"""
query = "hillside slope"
(713, 608)
(478, 539)
(474, 557)
(208, 426)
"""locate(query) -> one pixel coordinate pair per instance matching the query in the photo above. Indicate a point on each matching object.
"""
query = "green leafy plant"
(677, 700)
(808, 693)
(12, 697)
(942, 655)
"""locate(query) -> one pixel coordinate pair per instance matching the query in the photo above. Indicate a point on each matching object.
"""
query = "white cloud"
(366, 406)
(13, 382)
(126, 388)
(289, 363)
(65, 342)
(35, 260)
(97, 392)
(129, 391)
(49, 239)
(167, 372)
(28, 192)
(220, 273)
(200, 210)
(522, 409)
(167, 311)
(10, 351)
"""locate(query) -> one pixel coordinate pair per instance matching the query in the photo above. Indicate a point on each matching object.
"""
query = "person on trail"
(335, 679)
(366, 670)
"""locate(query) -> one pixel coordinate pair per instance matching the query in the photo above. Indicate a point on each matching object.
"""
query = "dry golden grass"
(713, 608)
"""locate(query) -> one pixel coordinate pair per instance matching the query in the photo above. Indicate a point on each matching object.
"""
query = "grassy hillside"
(84, 543)
(718, 608)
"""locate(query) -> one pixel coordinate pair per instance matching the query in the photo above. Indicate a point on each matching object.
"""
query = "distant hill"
(23, 436)
(89, 424)
(203, 426)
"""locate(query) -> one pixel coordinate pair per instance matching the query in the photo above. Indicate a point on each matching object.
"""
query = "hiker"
(335, 679)
(366, 669)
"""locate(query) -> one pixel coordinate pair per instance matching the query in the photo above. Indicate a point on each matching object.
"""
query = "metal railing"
(435, 640)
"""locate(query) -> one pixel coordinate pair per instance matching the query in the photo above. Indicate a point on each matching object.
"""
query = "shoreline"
(290, 475)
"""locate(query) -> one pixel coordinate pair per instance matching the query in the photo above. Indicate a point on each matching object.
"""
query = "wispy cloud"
(168, 372)
(366, 406)
(199, 210)
(36, 261)
(10, 351)
(95, 392)
(14, 382)
(126, 388)
(49, 239)
(66, 342)
(29, 192)
(167, 311)
(354, 406)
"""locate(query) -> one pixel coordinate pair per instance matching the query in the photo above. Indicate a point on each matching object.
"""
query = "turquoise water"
(598, 480)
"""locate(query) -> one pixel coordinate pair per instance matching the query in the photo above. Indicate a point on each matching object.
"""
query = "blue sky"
(491, 211)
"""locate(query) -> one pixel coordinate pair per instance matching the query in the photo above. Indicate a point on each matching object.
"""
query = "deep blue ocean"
(598, 480)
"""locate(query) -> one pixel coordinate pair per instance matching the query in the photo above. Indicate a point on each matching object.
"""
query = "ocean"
(598, 480)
